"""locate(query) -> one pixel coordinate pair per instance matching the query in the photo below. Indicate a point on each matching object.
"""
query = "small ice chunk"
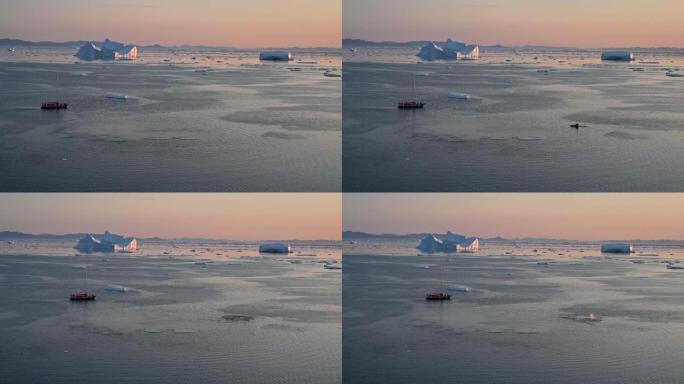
(458, 96)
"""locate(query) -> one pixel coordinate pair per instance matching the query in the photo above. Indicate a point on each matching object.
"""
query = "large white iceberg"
(617, 248)
(617, 55)
(450, 242)
(275, 55)
(107, 242)
(275, 248)
(449, 50)
(107, 50)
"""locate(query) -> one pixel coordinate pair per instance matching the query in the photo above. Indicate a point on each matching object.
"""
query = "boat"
(411, 104)
(53, 105)
(82, 296)
(437, 296)
(440, 295)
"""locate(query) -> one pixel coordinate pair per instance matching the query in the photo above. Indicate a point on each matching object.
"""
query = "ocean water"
(237, 317)
(236, 125)
(514, 132)
(526, 318)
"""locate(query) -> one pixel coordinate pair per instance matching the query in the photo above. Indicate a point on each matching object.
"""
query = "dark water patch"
(283, 135)
(285, 313)
(237, 318)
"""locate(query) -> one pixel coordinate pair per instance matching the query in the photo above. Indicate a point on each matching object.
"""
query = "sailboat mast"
(442, 277)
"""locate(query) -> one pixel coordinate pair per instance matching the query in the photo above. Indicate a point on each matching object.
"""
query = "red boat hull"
(82, 296)
(437, 296)
(54, 105)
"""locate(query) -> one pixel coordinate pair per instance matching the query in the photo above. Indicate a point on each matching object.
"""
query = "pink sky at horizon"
(577, 23)
(573, 216)
(230, 216)
(221, 23)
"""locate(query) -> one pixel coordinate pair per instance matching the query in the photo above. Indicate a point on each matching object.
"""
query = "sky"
(568, 23)
(578, 216)
(229, 216)
(225, 23)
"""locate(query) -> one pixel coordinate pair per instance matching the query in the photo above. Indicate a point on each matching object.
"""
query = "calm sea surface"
(513, 133)
(527, 318)
(211, 312)
(207, 120)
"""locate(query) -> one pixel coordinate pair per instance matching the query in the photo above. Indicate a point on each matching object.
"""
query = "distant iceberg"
(275, 55)
(617, 248)
(107, 242)
(107, 50)
(116, 288)
(450, 242)
(617, 55)
(449, 50)
(275, 248)
(431, 244)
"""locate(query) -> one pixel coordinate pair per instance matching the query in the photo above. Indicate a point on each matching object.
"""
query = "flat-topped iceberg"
(449, 50)
(275, 55)
(450, 242)
(275, 248)
(617, 248)
(107, 242)
(617, 55)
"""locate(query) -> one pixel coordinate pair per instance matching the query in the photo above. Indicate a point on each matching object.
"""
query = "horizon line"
(169, 46)
(502, 237)
(511, 46)
(157, 237)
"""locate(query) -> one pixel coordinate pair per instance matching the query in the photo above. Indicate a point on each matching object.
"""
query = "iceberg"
(431, 244)
(450, 242)
(617, 248)
(449, 50)
(107, 242)
(431, 52)
(617, 55)
(468, 246)
(275, 55)
(116, 288)
(458, 288)
(116, 96)
(275, 248)
(107, 50)
(458, 96)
